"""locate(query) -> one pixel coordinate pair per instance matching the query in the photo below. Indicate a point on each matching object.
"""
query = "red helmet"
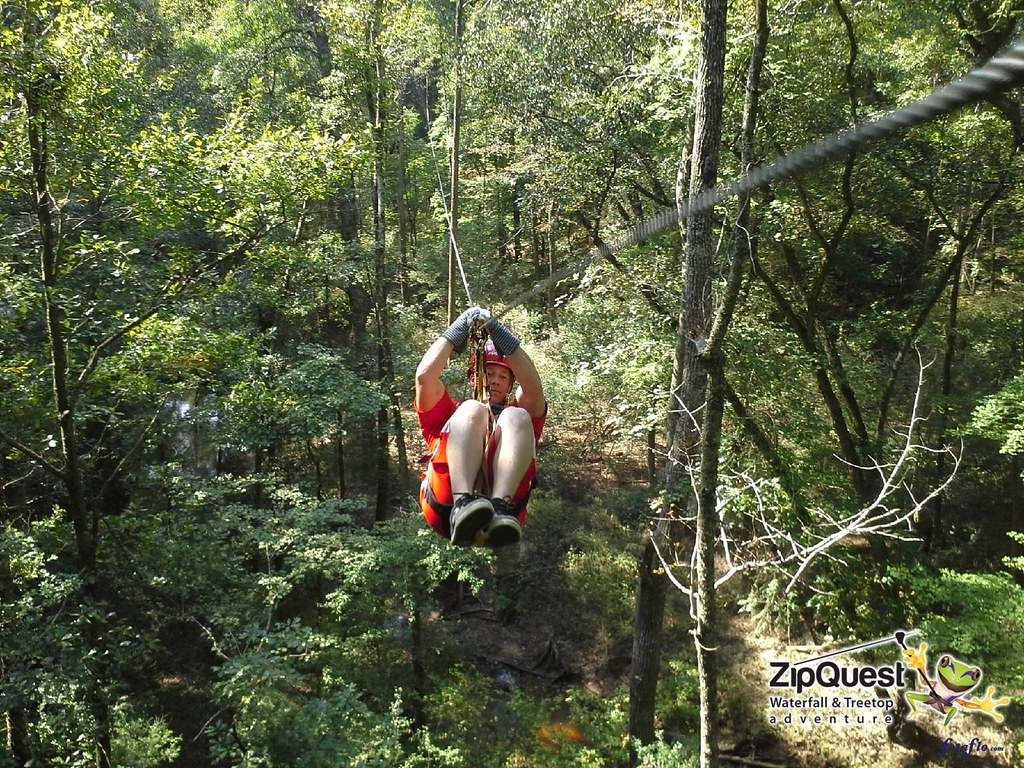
(491, 357)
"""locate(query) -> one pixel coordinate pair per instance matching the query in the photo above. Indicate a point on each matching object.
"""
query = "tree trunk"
(378, 116)
(536, 244)
(339, 455)
(552, 251)
(705, 634)
(517, 220)
(648, 630)
(402, 214)
(15, 725)
(687, 396)
(933, 533)
(82, 515)
(700, 241)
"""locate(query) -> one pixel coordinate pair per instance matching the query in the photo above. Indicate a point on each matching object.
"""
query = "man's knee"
(515, 415)
(515, 419)
(471, 413)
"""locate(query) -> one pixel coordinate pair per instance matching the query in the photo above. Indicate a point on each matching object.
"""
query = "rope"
(447, 211)
(1001, 73)
(924, 678)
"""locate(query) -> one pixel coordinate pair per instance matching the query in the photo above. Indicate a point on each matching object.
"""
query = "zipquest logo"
(832, 675)
(944, 691)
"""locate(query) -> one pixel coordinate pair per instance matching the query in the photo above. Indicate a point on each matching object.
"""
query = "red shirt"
(432, 422)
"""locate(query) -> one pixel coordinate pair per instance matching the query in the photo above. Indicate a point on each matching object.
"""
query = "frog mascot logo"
(945, 691)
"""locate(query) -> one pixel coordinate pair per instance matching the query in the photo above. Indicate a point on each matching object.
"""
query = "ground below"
(533, 629)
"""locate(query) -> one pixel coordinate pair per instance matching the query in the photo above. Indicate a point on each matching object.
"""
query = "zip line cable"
(447, 211)
(1000, 73)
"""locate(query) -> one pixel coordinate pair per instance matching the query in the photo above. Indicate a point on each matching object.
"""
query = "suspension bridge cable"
(1001, 73)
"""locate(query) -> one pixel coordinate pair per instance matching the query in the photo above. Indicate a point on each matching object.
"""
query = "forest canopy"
(228, 232)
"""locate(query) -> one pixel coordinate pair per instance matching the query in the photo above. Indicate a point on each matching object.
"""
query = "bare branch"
(130, 452)
(37, 457)
(792, 551)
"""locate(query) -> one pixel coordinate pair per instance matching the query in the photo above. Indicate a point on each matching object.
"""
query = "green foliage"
(333, 683)
(47, 665)
(970, 615)
(466, 710)
(609, 374)
(1015, 563)
(600, 580)
(319, 387)
(661, 754)
(275, 724)
(1001, 416)
(595, 560)
(678, 701)
(772, 606)
(309, 614)
(142, 743)
(268, 174)
(209, 167)
(520, 730)
(594, 735)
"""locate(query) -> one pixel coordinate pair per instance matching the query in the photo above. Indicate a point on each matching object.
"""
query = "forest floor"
(555, 617)
(542, 651)
(544, 641)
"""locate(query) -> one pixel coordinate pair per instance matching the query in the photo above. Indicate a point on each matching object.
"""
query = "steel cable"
(1001, 73)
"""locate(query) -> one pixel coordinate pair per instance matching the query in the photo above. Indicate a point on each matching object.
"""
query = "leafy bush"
(679, 700)
(660, 754)
(971, 615)
(142, 743)
(1001, 416)
(1016, 563)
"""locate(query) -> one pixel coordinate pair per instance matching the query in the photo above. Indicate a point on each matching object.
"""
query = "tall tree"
(59, 54)
(696, 392)
(696, 420)
(375, 98)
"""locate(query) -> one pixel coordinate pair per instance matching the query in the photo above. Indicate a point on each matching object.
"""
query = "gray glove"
(504, 340)
(458, 332)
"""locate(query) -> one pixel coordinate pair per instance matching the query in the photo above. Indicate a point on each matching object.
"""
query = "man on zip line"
(482, 459)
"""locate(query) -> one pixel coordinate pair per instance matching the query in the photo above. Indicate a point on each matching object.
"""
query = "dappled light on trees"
(224, 244)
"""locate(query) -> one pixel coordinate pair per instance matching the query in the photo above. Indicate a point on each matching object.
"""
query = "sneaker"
(504, 529)
(470, 515)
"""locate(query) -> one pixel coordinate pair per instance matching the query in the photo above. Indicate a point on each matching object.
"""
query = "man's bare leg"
(467, 438)
(514, 451)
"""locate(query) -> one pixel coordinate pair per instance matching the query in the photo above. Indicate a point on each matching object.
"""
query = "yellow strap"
(478, 334)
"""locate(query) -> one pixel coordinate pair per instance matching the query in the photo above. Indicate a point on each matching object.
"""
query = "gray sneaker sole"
(503, 531)
(470, 521)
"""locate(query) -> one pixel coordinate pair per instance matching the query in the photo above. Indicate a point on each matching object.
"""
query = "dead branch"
(793, 551)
